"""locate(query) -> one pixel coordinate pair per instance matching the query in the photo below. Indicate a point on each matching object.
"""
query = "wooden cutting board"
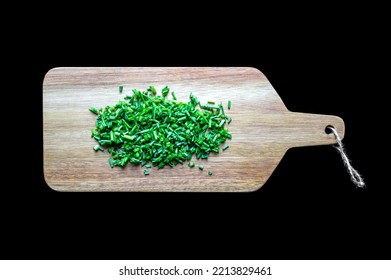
(262, 129)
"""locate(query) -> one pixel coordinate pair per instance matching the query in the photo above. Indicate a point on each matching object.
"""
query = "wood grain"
(262, 129)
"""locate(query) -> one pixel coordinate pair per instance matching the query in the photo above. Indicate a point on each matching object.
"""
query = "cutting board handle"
(311, 129)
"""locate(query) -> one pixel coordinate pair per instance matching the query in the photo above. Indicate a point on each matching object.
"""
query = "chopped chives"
(111, 136)
(98, 148)
(143, 131)
(222, 108)
(152, 89)
(229, 104)
(94, 110)
(210, 173)
(121, 88)
(147, 128)
(165, 91)
(225, 147)
(146, 172)
(127, 137)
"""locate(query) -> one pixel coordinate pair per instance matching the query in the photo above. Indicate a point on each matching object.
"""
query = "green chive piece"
(191, 164)
(210, 173)
(94, 110)
(98, 148)
(211, 102)
(225, 147)
(146, 172)
(121, 88)
(221, 108)
(229, 104)
(127, 137)
(173, 95)
(152, 89)
(229, 120)
(165, 91)
(201, 167)
(148, 166)
(112, 136)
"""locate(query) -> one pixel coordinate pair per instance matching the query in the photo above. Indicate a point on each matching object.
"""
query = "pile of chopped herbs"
(147, 128)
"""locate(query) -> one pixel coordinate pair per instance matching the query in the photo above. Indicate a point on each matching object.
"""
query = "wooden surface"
(262, 129)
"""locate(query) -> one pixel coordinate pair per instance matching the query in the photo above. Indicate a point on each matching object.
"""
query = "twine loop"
(355, 177)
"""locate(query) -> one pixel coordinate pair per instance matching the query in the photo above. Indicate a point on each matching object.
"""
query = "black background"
(308, 209)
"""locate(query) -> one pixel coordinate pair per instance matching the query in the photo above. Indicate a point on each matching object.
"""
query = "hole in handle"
(328, 130)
